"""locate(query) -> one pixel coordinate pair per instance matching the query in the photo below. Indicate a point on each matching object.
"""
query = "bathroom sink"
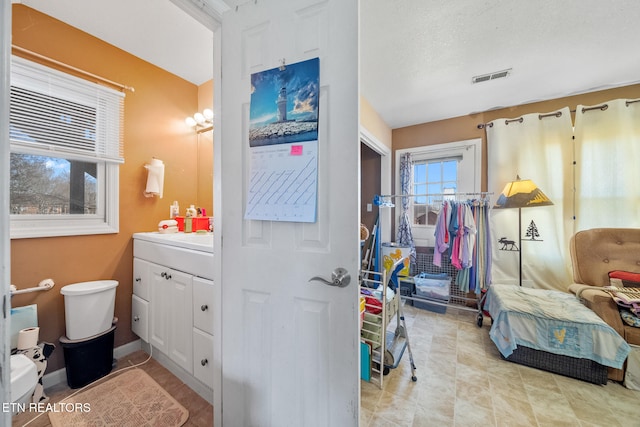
(190, 252)
(196, 241)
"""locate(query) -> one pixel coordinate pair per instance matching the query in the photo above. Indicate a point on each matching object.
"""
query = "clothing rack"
(388, 201)
(475, 193)
(394, 196)
(380, 201)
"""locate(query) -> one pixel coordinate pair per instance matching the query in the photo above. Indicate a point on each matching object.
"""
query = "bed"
(552, 330)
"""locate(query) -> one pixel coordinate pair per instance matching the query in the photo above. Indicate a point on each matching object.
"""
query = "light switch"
(369, 207)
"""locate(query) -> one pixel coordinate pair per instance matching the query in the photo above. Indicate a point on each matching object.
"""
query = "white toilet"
(24, 377)
(89, 340)
(88, 308)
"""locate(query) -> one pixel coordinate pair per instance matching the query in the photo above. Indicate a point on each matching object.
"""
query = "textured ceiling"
(417, 56)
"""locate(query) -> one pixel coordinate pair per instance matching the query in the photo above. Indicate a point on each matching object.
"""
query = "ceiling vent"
(491, 76)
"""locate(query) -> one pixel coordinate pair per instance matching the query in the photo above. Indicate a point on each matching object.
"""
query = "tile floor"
(463, 382)
(200, 411)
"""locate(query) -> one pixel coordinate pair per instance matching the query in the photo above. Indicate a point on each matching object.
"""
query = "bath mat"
(132, 398)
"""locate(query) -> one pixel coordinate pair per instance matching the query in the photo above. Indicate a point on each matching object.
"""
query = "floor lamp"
(521, 193)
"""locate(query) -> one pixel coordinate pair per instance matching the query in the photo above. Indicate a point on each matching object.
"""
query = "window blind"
(58, 113)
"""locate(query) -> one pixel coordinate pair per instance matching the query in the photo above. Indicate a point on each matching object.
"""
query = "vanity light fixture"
(202, 122)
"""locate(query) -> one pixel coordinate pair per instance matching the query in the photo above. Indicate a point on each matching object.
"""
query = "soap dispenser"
(174, 210)
(188, 220)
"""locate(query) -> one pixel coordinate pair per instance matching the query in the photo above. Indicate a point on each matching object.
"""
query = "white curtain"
(608, 165)
(536, 147)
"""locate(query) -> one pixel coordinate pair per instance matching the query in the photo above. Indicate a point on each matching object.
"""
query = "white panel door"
(5, 258)
(290, 346)
(179, 310)
(159, 295)
(204, 297)
(141, 280)
(140, 317)
(203, 365)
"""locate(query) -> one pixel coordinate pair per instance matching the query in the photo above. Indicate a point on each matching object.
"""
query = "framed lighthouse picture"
(283, 143)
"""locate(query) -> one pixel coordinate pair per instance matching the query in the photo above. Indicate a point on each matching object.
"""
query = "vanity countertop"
(193, 241)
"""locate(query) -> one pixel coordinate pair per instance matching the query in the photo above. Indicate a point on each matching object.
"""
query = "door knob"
(340, 277)
(204, 362)
(135, 319)
(204, 307)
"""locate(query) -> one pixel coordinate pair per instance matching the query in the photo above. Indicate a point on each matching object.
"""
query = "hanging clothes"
(441, 234)
(467, 238)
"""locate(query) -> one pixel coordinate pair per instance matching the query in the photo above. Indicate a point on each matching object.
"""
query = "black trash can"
(88, 359)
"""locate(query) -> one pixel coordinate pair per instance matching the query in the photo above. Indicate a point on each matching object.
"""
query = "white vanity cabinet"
(174, 306)
(140, 299)
(203, 311)
(170, 314)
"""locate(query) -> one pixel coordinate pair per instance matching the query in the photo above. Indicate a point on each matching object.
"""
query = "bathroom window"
(66, 147)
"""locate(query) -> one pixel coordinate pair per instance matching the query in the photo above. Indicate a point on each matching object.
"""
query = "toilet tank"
(89, 308)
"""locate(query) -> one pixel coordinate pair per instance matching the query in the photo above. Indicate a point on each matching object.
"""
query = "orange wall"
(466, 127)
(204, 142)
(153, 127)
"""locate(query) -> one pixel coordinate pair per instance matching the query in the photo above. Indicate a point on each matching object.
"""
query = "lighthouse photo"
(284, 104)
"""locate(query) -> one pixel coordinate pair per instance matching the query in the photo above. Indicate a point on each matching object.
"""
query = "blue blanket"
(551, 321)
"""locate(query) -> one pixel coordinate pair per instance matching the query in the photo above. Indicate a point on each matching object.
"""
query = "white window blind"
(60, 113)
(66, 137)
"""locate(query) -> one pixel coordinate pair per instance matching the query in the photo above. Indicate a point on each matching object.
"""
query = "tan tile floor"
(463, 382)
(200, 411)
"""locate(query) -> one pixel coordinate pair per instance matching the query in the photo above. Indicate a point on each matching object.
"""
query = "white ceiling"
(417, 56)
(157, 31)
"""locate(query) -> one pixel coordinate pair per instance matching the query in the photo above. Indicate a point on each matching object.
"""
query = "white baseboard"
(60, 376)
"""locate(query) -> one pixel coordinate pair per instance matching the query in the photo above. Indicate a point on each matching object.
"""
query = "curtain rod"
(601, 107)
(70, 67)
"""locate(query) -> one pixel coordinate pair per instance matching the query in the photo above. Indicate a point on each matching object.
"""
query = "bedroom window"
(436, 176)
(66, 147)
(438, 170)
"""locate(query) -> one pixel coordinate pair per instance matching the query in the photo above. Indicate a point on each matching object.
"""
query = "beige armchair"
(594, 253)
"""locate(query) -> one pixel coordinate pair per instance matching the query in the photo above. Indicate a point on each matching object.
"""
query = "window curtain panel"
(536, 147)
(607, 165)
(405, 236)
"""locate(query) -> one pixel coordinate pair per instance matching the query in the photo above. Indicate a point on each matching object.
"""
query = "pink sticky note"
(296, 150)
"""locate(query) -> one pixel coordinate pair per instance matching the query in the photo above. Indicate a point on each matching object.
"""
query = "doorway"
(370, 185)
(375, 163)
